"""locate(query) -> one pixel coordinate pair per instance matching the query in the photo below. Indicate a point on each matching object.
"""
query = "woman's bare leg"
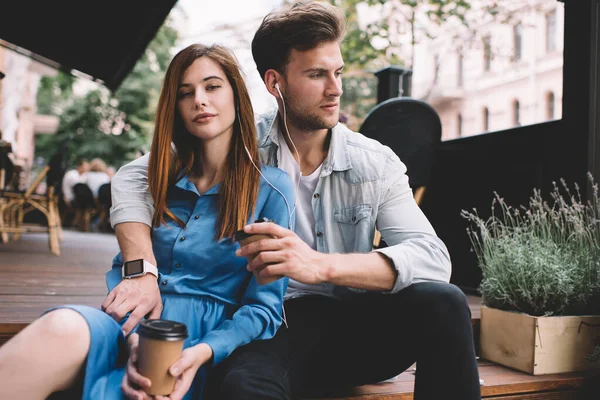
(45, 357)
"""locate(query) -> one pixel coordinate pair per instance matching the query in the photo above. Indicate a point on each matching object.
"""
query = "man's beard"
(303, 120)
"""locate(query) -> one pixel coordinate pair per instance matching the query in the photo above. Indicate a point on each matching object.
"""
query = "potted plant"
(541, 282)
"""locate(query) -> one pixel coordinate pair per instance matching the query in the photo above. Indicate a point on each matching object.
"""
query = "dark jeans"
(332, 343)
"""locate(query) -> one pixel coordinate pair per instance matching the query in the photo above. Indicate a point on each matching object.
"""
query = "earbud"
(279, 91)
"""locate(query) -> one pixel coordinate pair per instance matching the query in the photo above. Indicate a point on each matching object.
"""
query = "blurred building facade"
(501, 75)
(19, 121)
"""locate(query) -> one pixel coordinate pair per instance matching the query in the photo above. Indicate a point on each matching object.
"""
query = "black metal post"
(394, 81)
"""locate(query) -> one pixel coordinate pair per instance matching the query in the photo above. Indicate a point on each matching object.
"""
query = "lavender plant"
(543, 259)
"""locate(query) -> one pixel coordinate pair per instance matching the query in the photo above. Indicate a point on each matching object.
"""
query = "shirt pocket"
(355, 228)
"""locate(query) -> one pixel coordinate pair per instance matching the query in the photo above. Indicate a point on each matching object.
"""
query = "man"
(353, 315)
(73, 177)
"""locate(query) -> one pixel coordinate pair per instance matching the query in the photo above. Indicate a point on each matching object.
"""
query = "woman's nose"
(200, 100)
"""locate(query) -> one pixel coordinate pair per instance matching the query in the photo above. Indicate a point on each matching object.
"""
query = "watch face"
(134, 267)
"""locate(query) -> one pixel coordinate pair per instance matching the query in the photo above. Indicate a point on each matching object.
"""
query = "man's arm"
(134, 241)
(290, 256)
(414, 254)
(414, 249)
(131, 216)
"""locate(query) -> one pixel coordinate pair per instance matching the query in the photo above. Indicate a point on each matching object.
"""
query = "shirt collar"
(185, 184)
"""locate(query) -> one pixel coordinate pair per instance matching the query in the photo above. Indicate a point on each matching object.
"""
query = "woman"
(97, 175)
(205, 187)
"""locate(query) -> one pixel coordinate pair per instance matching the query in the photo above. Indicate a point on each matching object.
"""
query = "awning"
(102, 39)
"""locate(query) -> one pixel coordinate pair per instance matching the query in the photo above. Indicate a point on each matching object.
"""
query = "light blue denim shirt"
(363, 185)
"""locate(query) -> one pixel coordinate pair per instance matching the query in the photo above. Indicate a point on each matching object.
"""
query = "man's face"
(312, 87)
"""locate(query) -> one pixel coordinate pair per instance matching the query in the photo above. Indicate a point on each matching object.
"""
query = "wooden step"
(498, 383)
(32, 280)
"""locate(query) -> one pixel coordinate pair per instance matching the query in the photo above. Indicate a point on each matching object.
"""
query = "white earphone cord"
(290, 213)
(287, 131)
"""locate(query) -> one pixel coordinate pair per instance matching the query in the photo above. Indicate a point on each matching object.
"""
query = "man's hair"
(80, 161)
(302, 26)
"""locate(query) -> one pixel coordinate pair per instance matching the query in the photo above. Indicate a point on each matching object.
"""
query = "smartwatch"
(135, 268)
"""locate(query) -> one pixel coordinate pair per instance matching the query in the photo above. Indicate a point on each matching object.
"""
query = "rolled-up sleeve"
(415, 250)
(131, 199)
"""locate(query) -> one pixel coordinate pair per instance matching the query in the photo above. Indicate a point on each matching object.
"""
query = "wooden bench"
(499, 383)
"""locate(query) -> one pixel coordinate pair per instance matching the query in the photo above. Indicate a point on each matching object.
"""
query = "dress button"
(196, 216)
(177, 265)
(182, 238)
(164, 283)
(316, 195)
(319, 234)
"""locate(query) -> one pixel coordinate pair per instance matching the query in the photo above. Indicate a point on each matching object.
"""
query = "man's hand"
(140, 296)
(287, 255)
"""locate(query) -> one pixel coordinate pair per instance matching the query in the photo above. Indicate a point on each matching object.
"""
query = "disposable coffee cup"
(244, 238)
(161, 344)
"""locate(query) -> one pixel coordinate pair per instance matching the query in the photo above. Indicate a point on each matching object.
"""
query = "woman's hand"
(133, 383)
(184, 369)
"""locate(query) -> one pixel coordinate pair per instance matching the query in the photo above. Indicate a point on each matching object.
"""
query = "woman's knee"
(65, 325)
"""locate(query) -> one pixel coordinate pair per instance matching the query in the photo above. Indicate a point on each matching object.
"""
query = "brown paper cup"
(244, 240)
(161, 344)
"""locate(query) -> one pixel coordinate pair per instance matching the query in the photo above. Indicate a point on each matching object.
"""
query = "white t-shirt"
(95, 180)
(70, 179)
(305, 219)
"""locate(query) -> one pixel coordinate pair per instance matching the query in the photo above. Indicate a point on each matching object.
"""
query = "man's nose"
(334, 87)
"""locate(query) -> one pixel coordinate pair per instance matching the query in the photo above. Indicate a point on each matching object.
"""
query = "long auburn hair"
(239, 188)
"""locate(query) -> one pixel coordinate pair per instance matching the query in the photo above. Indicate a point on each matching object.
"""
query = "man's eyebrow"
(321, 70)
(208, 78)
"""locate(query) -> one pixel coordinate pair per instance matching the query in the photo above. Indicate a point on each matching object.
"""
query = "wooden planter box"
(538, 345)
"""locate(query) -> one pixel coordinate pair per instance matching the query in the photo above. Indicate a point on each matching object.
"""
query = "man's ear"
(272, 78)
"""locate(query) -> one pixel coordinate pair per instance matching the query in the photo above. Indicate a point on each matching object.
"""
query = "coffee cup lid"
(162, 329)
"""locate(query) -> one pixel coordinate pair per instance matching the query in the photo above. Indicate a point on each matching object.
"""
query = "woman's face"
(205, 100)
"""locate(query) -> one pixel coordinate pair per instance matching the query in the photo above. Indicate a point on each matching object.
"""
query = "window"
(486, 119)
(516, 113)
(477, 67)
(550, 106)
(459, 125)
(518, 42)
(551, 32)
(487, 53)
(460, 70)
